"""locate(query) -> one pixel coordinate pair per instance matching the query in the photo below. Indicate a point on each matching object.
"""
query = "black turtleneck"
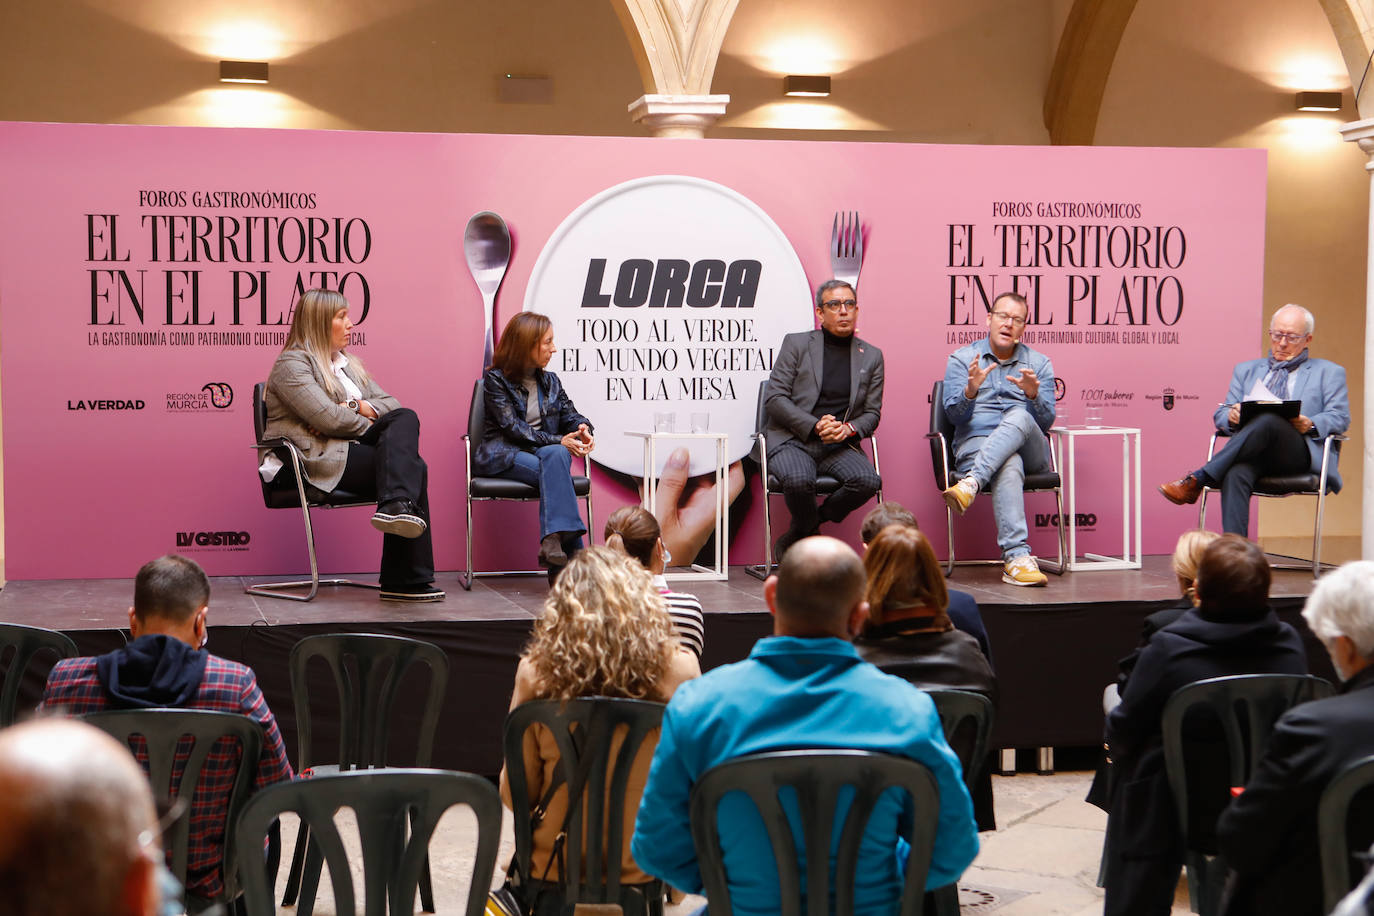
(834, 396)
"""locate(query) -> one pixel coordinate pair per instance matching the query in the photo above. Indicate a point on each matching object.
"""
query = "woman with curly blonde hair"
(605, 631)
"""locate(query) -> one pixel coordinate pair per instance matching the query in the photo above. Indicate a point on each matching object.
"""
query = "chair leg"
(283, 589)
(591, 521)
(466, 580)
(1202, 510)
(762, 572)
(949, 527)
(310, 879)
(1060, 537)
(1317, 532)
(293, 877)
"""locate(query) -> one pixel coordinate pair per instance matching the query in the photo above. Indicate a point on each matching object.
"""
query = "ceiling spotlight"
(243, 71)
(806, 86)
(1319, 101)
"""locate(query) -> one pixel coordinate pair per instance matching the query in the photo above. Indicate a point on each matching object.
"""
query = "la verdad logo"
(104, 404)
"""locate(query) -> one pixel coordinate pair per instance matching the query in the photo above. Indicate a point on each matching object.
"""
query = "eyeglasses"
(1283, 337)
(834, 305)
(1007, 317)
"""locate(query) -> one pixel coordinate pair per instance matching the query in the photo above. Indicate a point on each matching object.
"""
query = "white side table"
(1065, 438)
(649, 499)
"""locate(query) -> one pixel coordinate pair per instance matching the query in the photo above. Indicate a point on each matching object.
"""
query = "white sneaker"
(960, 496)
(1023, 571)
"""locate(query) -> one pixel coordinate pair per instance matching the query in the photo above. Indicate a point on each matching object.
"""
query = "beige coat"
(300, 408)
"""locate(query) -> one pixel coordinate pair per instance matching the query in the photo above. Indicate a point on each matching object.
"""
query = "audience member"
(963, 609)
(605, 631)
(1231, 631)
(80, 835)
(634, 531)
(166, 665)
(803, 687)
(1269, 834)
(908, 634)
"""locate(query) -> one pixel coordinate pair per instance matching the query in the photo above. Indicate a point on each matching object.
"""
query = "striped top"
(685, 610)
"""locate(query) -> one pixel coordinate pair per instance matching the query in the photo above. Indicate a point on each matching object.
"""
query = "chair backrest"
(178, 744)
(26, 643)
(397, 811)
(817, 777)
(966, 719)
(941, 449)
(596, 771)
(760, 420)
(477, 413)
(1246, 706)
(259, 411)
(1333, 821)
(368, 670)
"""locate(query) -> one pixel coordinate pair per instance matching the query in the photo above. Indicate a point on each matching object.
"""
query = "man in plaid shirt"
(166, 665)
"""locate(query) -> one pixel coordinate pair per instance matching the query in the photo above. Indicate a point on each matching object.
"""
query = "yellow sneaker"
(960, 496)
(1023, 571)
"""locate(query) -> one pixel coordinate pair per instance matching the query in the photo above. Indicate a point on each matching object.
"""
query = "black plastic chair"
(941, 438)
(177, 743)
(817, 777)
(367, 671)
(491, 488)
(289, 490)
(595, 772)
(966, 719)
(1281, 485)
(397, 811)
(1339, 871)
(26, 642)
(1246, 706)
(825, 483)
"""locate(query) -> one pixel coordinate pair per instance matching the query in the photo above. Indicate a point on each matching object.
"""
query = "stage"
(1054, 648)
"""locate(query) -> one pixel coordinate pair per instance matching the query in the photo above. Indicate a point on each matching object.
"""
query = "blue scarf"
(1278, 380)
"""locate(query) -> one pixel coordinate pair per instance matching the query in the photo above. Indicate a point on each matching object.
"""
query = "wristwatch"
(353, 405)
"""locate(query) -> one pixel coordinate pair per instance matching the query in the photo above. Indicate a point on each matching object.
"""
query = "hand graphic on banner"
(686, 506)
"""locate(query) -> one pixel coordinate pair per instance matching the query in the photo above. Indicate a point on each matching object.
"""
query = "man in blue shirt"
(999, 394)
(804, 687)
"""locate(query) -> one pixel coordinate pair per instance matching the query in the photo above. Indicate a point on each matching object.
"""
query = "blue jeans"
(999, 462)
(550, 469)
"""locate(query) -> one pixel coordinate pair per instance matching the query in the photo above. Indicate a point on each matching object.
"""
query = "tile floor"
(1042, 861)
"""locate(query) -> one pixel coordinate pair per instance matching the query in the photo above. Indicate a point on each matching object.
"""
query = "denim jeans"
(550, 469)
(999, 462)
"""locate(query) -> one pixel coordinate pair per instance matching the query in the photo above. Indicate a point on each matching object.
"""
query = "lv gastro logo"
(213, 538)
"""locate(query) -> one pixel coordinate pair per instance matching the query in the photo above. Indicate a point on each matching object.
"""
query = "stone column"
(1362, 132)
(676, 44)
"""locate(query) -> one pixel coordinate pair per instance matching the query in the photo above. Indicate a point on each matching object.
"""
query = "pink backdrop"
(93, 490)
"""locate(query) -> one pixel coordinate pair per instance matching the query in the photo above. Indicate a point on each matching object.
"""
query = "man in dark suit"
(1269, 834)
(824, 396)
(1268, 444)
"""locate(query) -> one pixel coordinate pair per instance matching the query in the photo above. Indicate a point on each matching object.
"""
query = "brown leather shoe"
(1182, 492)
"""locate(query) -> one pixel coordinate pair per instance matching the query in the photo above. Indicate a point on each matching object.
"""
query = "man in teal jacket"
(804, 687)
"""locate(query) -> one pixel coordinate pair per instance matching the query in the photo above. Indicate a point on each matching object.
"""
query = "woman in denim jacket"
(532, 431)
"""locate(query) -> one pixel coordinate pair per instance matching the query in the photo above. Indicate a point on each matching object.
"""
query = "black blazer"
(506, 431)
(1269, 834)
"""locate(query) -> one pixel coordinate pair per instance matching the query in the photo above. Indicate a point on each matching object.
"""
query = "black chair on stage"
(1342, 869)
(825, 483)
(817, 777)
(1281, 485)
(941, 438)
(481, 489)
(289, 490)
(1245, 707)
(599, 740)
(397, 811)
(26, 642)
(178, 743)
(368, 671)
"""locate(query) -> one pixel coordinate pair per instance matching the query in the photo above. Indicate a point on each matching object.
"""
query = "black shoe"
(551, 551)
(399, 517)
(790, 537)
(422, 592)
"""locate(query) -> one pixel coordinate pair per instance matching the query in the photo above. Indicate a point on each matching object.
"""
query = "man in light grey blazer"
(824, 396)
(1268, 444)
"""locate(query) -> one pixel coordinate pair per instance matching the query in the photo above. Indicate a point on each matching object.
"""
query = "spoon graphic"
(486, 247)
